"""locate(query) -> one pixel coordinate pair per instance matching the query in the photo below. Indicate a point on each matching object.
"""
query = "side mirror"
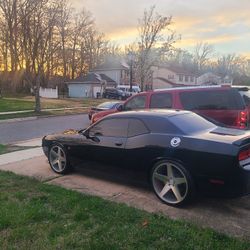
(86, 134)
(120, 108)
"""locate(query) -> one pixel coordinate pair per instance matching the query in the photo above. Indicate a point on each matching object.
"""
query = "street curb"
(19, 119)
(38, 117)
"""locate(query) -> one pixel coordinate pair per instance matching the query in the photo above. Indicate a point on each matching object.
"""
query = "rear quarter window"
(228, 99)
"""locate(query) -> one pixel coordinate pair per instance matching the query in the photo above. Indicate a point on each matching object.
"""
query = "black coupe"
(180, 151)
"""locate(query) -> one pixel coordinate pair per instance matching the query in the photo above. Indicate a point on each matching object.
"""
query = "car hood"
(66, 135)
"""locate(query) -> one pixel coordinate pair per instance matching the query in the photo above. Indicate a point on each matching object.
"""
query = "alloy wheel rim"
(57, 158)
(170, 183)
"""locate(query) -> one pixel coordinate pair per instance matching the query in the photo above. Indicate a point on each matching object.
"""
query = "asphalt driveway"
(230, 216)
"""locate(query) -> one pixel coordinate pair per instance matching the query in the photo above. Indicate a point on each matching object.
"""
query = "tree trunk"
(37, 96)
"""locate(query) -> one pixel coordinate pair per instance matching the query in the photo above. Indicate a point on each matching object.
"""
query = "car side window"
(161, 100)
(136, 127)
(138, 102)
(110, 128)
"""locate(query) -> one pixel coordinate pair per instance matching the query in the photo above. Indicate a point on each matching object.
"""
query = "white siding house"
(115, 70)
(89, 85)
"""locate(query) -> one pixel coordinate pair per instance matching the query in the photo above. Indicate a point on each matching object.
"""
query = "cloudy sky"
(223, 23)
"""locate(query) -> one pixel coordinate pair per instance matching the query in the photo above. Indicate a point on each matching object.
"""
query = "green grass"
(2, 149)
(34, 215)
(28, 103)
(15, 105)
(11, 148)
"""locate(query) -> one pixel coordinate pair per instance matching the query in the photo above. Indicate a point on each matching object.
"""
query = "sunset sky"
(223, 23)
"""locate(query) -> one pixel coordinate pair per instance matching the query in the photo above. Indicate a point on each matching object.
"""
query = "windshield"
(107, 105)
(190, 123)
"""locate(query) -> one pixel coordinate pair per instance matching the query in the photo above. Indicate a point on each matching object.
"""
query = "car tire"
(172, 183)
(58, 159)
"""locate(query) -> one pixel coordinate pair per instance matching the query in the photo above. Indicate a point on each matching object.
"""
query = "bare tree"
(202, 54)
(151, 30)
(82, 22)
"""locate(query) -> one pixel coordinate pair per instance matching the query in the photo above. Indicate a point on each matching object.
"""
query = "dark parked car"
(179, 159)
(104, 107)
(222, 104)
(113, 93)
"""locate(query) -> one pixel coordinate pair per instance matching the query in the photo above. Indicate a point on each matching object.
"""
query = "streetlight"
(131, 56)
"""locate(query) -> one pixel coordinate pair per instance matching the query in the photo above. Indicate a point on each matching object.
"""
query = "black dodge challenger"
(180, 151)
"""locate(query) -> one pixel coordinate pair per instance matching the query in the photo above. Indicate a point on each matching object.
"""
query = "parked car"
(179, 150)
(221, 104)
(126, 89)
(114, 93)
(104, 106)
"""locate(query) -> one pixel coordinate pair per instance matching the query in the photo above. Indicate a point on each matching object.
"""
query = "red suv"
(221, 104)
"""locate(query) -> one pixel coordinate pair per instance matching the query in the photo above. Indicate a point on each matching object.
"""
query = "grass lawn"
(2, 149)
(28, 103)
(11, 148)
(34, 215)
(9, 104)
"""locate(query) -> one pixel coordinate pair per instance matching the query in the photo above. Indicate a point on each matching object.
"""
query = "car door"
(108, 138)
(136, 102)
(137, 149)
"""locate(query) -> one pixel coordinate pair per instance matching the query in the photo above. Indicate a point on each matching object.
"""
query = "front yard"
(34, 215)
(28, 103)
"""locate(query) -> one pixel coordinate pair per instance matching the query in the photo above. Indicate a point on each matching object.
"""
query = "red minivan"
(221, 104)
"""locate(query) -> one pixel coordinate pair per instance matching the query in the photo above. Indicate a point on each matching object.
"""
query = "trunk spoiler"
(243, 141)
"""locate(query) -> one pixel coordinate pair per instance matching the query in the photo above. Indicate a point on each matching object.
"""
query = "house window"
(181, 78)
(191, 78)
(186, 78)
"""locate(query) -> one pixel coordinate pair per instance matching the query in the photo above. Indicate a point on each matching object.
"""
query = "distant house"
(89, 85)
(172, 76)
(211, 78)
(114, 69)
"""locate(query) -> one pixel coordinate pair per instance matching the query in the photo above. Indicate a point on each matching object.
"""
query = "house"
(89, 85)
(211, 78)
(172, 76)
(114, 69)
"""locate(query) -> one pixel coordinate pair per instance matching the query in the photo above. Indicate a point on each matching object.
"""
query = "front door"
(108, 139)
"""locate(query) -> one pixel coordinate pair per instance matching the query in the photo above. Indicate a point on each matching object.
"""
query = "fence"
(48, 93)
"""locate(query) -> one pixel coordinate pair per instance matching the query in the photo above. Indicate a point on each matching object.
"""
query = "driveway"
(229, 216)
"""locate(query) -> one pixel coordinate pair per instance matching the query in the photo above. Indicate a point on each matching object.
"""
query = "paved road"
(28, 129)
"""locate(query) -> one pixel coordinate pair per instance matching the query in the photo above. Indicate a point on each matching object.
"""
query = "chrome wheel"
(57, 159)
(170, 182)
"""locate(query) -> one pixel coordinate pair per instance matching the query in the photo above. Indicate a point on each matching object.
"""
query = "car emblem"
(175, 142)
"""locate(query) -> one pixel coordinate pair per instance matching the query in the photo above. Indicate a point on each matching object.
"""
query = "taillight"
(243, 155)
(244, 159)
(242, 119)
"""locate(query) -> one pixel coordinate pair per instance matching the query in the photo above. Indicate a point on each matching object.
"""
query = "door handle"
(118, 143)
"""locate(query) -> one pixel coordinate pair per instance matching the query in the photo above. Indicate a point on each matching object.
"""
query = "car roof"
(164, 113)
(188, 88)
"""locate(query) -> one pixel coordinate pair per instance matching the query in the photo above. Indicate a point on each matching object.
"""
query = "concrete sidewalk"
(23, 154)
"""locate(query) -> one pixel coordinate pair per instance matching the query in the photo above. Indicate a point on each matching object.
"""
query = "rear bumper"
(230, 186)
